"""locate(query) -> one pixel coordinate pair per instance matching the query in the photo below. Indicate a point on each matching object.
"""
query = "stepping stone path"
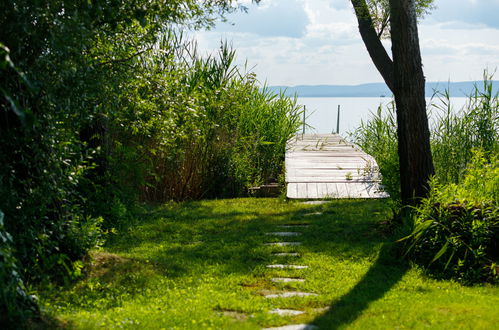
(315, 202)
(288, 294)
(286, 254)
(286, 312)
(284, 233)
(295, 327)
(313, 213)
(294, 225)
(287, 266)
(286, 279)
(284, 243)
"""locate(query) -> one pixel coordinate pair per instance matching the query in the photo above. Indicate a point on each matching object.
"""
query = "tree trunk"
(416, 165)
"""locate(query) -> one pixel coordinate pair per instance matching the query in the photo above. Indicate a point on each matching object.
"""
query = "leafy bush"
(456, 227)
(16, 305)
(456, 232)
(78, 69)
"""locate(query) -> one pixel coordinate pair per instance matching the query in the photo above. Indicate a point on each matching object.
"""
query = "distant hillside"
(456, 89)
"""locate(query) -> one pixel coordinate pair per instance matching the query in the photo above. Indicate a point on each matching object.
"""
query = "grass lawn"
(202, 265)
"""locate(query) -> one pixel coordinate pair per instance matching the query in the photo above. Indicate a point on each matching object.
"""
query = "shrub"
(456, 227)
(456, 232)
(16, 305)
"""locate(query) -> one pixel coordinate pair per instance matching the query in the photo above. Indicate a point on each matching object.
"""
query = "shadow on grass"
(186, 237)
(227, 237)
(383, 275)
(189, 236)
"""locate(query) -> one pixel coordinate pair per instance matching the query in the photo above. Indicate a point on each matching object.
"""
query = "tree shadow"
(384, 274)
(186, 239)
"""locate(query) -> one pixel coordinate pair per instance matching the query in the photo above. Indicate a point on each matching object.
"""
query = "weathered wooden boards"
(326, 166)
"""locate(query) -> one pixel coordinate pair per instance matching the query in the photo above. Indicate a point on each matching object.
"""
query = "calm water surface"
(321, 112)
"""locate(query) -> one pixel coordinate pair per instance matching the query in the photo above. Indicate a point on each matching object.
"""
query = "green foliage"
(453, 136)
(378, 137)
(16, 305)
(455, 233)
(193, 127)
(379, 11)
(457, 227)
(456, 134)
(59, 109)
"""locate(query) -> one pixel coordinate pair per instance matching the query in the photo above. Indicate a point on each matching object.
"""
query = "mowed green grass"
(202, 265)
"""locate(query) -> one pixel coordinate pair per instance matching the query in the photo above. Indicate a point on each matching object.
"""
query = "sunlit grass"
(201, 265)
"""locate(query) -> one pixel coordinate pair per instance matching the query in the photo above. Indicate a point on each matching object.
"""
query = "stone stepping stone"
(286, 312)
(313, 213)
(315, 202)
(289, 294)
(284, 233)
(287, 266)
(294, 327)
(321, 310)
(286, 254)
(286, 279)
(294, 225)
(236, 315)
(284, 243)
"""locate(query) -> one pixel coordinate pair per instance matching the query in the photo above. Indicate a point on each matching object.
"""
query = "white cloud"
(326, 47)
(270, 18)
(467, 11)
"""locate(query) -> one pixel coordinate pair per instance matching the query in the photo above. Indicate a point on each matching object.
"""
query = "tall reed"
(378, 137)
(454, 135)
(202, 127)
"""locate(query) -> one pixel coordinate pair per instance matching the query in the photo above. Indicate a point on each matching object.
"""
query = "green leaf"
(440, 253)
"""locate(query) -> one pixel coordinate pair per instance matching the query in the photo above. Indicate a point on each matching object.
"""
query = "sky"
(316, 42)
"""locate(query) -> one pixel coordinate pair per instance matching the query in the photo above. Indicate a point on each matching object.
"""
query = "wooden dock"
(327, 166)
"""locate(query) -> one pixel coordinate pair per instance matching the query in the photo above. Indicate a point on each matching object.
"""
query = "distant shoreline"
(455, 89)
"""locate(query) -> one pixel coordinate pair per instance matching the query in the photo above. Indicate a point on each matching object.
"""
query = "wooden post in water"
(338, 121)
(304, 110)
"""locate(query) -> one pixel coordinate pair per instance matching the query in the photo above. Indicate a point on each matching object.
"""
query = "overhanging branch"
(375, 48)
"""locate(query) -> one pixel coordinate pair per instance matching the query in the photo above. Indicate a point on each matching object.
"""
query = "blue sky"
(308, 42)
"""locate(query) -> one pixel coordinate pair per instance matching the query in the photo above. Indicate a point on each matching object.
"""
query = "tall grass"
(202, 128)
(378, 137)
(454, 135)
(456, 226)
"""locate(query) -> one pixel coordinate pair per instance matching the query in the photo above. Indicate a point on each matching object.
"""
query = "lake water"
(321, 112)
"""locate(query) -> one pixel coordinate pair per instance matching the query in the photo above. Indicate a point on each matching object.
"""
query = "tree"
(72, 59)
(404, 76)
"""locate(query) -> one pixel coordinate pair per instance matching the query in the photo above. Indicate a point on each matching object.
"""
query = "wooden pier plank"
(327, 166)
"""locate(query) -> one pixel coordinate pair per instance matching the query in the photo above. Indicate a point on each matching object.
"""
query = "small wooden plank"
(325, 172)
(316, 179)
(312, 190)
(322, 190)
(332, 191)
(301, 190)
(292, 190)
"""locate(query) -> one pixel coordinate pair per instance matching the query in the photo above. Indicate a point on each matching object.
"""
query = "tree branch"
(377, 52)
(384, 25)
(122, 60)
